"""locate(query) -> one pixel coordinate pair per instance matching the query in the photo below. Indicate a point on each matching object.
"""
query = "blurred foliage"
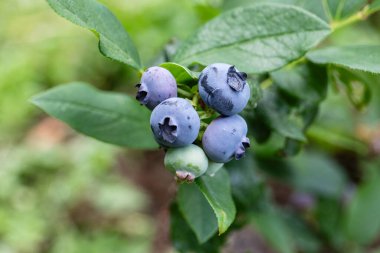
(67, 199)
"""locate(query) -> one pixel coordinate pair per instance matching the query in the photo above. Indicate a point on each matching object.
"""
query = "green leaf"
(274, 111)
(275, 166)
(339, 9)
(181, 74)
(109, 117)
(306, 83)
(335, 128)
(256, 38)
(289, 106)
(291, 147)
(213, 168)
(246, 183)
(375, 6)
(197, 211)
(356, 84)
(183, 238)
(114, 41)
(363, 220)
(328, 214)
(365, 58)
(217, 191)
(272, 227)
(372, 112)
(317, 174)
(181, 235)
(314, 6)
(334, 138)
(272, 147)
(301, 232)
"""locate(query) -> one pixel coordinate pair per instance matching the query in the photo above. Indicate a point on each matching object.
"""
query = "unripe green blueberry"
(187, 162)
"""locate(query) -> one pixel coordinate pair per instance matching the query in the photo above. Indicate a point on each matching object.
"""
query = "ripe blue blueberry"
(224, 88)
(157, 84)
(187, 163)
(225, 138)
(175, 123)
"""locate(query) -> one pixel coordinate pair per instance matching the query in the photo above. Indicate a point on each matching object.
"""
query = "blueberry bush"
(243, 109)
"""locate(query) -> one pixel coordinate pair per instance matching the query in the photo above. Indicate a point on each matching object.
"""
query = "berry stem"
(184, 93)
(195, 99)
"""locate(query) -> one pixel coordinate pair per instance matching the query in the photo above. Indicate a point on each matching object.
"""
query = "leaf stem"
(361, 15)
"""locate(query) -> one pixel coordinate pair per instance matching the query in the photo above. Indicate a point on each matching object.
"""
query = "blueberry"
(157, 84)
(175, 123)
(187, 162)
(224, 88)
(225, 138)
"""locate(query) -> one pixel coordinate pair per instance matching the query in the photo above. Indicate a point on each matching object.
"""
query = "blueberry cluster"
(176, 124)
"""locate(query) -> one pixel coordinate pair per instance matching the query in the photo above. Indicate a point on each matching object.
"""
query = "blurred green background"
(61, 192)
